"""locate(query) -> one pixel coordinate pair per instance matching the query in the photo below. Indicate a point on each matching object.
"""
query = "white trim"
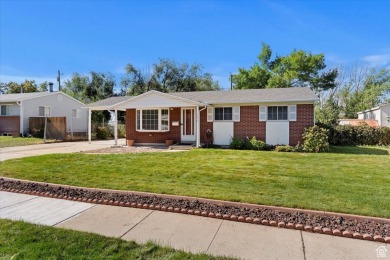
(188, 138)
(89, 124)
(159, 110)
(236, 114)
(263, 113)
(292, 112)
(210, 114)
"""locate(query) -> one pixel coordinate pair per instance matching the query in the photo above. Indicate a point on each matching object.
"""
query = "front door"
(188, 124)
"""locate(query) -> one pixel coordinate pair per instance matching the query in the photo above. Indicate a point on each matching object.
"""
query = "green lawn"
(8, 141)
(21, 240)
(351, 180)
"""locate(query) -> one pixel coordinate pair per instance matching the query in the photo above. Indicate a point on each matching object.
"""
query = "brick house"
(276, 116)
(16, 110)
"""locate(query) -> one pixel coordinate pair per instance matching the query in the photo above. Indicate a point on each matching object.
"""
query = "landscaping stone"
(340, 224)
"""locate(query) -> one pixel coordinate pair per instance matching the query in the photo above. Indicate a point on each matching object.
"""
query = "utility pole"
(59, 80)
(231, 81)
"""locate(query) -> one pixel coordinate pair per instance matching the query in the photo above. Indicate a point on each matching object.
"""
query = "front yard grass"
(350, 180)
(21, 240)
(9, 141)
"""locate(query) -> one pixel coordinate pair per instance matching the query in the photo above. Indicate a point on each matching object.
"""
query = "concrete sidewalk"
(187, 232)
(51, 148)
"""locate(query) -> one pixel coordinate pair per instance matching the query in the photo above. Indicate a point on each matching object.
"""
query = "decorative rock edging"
(374, 229)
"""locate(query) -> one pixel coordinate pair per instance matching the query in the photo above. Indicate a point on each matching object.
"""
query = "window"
(76, 113)
(4, 110)
(277, 113)
(44, 111)
(223, 113)
(152, 120)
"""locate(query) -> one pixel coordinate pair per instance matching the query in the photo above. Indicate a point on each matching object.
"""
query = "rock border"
(204, 207)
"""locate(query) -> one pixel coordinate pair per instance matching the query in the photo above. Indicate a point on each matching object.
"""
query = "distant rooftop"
(108, 102)
(22, 96)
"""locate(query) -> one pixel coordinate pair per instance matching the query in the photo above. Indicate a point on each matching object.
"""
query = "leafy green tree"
(168, 76)
(360, 89)
(298, 69)
(43, 87)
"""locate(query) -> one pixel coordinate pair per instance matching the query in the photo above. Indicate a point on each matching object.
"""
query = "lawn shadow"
(359, 150)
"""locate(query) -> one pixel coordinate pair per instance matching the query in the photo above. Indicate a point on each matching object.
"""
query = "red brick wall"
(152, 137)
(305, 118)
(249, 124)
(204, 125)
(10, 125)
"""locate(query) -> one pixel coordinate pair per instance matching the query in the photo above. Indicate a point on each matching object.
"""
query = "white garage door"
(277, 133)
(223, 132)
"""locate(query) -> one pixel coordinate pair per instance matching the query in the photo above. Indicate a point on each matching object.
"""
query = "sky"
(38, 37)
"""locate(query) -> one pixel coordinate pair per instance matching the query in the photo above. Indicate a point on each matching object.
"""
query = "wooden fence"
(55, 129)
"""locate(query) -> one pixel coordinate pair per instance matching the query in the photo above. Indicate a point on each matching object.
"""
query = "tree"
(95, 87)
(168, 76)
(11, 87)
(357, 90)
(298, 69)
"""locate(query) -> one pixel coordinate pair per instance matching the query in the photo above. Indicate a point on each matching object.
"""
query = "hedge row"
(358, 135)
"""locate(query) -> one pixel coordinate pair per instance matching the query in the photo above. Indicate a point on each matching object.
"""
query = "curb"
(258, 221)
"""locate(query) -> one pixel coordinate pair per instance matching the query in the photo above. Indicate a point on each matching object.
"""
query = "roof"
(109, 102)
(22, 96)
(250, 95)
(374, 108)
(296, 94)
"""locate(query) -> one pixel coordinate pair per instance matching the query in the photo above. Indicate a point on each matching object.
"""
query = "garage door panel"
(277, 133)
(223, 132)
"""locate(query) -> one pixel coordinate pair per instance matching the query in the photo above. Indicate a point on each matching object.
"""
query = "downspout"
(19, 103)
(198, 125)
(89, 124)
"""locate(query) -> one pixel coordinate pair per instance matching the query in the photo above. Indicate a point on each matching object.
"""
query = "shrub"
(358, 135)
(284, 148)
(236, 143)
(315, 140)
(38, 132)
(102, 132)
(384, 135)
(259, 145)
(121, 131)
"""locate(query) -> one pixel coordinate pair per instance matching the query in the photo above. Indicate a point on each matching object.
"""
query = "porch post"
(116, 127)
(89, 124)
(197, 127)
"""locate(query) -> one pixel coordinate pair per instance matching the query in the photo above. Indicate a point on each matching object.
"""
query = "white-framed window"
(277, 113)
(152, 120)
(44, 111)
(5, 110)
(76, 113)
(223, 113)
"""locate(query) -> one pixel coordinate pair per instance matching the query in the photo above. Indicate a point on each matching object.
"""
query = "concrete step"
(181, 147)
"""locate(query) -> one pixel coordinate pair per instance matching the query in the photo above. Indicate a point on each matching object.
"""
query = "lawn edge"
(320, 230)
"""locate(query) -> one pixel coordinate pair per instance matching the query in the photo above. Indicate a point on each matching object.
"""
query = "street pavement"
(187, 232)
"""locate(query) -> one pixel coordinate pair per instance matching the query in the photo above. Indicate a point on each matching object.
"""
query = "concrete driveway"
(51, 148)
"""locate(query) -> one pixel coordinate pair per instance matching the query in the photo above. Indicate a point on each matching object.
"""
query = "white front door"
(188, 126)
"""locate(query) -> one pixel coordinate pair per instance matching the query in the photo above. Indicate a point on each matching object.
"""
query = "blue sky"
(39, 37)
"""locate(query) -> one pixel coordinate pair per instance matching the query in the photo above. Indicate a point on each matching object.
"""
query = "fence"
(55, 128)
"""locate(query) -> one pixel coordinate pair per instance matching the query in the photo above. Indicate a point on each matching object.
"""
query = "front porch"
(154, 117)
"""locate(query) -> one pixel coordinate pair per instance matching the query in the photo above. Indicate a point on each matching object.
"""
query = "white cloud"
(378, 59)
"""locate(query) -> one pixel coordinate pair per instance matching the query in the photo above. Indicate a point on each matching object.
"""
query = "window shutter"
(292, 113)
(262, 113)
(236, 114)
(210, 114)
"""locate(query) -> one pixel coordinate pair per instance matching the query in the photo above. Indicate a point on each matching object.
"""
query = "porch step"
(181, 147)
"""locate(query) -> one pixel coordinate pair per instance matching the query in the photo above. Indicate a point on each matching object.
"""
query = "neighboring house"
(380, 113)
(16, 110)
(357, 122)
(277, 116)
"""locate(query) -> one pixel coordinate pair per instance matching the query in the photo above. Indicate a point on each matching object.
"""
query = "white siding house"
(16, 109)
(381, 114)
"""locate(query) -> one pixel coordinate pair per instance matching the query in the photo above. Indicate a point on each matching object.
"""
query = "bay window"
(152, 119)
